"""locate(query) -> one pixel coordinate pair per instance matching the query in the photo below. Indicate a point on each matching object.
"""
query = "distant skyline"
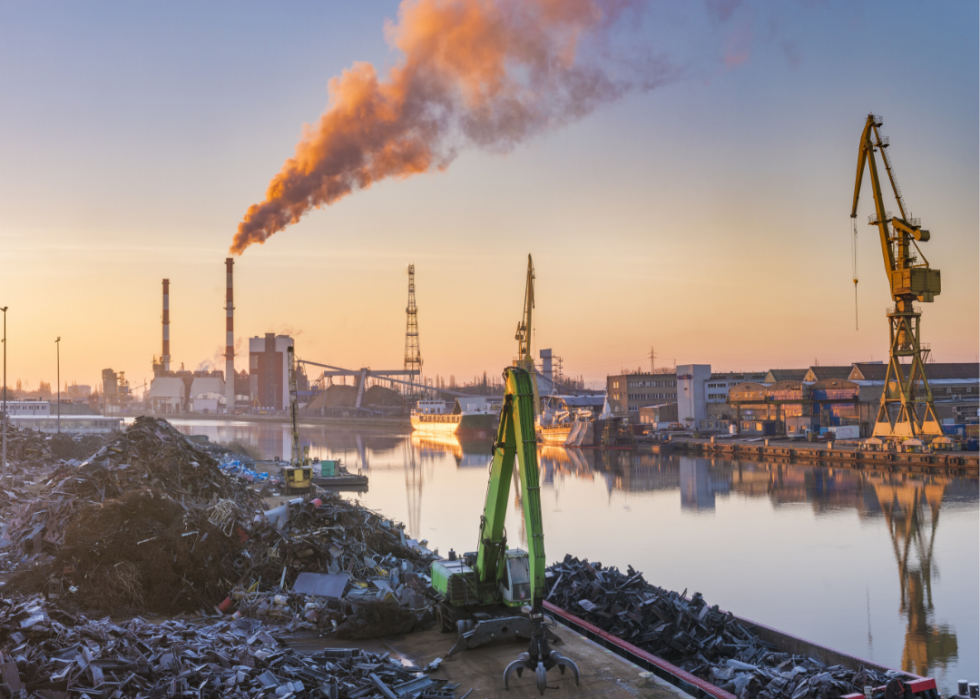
(707, 216)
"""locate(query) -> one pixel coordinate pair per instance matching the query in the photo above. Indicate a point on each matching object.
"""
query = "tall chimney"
(229, 341)
(165, 358)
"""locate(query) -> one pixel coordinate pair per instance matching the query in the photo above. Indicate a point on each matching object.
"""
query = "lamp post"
(4, 309)
(58, 376)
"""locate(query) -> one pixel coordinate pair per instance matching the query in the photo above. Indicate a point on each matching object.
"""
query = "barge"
(922, 687)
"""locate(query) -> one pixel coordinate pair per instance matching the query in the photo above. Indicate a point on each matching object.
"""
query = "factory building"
(167, 394)
(716, 392)
(268, 371)
(28, 407)
(955, 388)
(629, 392)
(841, 396)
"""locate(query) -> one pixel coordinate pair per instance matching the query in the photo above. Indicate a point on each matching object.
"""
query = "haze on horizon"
(708, 217)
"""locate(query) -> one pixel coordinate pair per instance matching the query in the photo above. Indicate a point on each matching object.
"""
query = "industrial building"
(662, 416)
(690, 393)
(181, 391)
(830, 397)
(955, 387)
(629, 392)
(268, 371)
(115, 391)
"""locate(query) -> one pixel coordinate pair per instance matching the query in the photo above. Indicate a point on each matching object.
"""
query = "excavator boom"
(515, 437)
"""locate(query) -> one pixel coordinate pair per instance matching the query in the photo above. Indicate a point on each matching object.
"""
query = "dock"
(956, 463)
(603, 673)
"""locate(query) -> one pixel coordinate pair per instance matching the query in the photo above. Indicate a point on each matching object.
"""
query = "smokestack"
(229, 341)
(165, 358)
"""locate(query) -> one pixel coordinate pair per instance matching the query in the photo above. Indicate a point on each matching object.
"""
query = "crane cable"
(854, 271)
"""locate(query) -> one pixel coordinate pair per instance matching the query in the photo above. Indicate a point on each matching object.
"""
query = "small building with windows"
(34, 408)
(629, 392)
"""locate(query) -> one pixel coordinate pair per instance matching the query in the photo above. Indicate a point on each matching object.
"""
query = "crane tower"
(413, 356)
(906, 408)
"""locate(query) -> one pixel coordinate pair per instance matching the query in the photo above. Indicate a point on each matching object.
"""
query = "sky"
(703, 211)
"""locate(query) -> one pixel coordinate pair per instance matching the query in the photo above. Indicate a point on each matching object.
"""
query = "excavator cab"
(515, 588)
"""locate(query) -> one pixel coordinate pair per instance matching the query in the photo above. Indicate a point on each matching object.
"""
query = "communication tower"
(413, 357)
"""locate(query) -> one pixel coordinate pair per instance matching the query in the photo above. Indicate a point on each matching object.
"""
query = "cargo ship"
(560, 425)
(470, 418)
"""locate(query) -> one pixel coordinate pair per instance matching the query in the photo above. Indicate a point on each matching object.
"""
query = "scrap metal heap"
(151, 523)
(701, 639)
(48, 652)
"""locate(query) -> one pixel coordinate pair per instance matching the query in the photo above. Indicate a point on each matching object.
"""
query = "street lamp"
(58, 376)
(4, 309)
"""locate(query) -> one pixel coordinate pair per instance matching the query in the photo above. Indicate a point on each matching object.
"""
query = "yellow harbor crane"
(524, 329)
(906, 408)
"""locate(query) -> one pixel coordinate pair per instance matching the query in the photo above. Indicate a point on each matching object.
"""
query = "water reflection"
(812, 550)
(909, 508)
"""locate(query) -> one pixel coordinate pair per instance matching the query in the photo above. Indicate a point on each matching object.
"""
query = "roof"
(938, 370)
(584, 401)
(818, 373)
(787, 385)
(776, 375)
(833, 384)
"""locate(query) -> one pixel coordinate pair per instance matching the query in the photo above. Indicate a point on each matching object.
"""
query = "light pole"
(58, 376)
(4, 309)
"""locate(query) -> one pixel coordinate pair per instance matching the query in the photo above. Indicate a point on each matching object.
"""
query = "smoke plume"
(484, 73)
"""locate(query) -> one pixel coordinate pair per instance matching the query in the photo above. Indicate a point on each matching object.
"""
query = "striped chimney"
(229, 341)
(165, 358)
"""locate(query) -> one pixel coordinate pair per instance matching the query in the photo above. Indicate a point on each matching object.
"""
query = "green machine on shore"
(481, 590)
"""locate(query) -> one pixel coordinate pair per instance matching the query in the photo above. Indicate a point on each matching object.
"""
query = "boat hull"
(474, 426)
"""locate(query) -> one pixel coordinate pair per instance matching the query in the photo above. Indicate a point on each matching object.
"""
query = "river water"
(884, 567)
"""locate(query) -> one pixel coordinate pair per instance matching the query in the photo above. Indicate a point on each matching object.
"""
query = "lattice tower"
(413, 356)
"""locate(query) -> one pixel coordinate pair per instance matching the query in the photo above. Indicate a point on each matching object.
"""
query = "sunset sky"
(703, 211)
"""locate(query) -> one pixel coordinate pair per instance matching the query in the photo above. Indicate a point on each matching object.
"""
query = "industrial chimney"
(229, 341)
(165, 358)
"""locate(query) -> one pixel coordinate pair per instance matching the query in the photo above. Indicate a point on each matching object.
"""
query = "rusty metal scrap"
(701, 639)
(47, 652)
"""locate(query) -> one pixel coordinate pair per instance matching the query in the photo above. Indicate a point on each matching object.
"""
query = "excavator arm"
(515, 438)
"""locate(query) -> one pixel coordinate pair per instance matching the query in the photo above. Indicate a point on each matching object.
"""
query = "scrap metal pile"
(47, 652)
(701, 639)
(151, 523)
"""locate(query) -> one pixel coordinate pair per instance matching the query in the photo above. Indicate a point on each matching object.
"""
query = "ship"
(472, 417)
(559, 424)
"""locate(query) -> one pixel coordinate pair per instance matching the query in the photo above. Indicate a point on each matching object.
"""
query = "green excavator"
(482, 590)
